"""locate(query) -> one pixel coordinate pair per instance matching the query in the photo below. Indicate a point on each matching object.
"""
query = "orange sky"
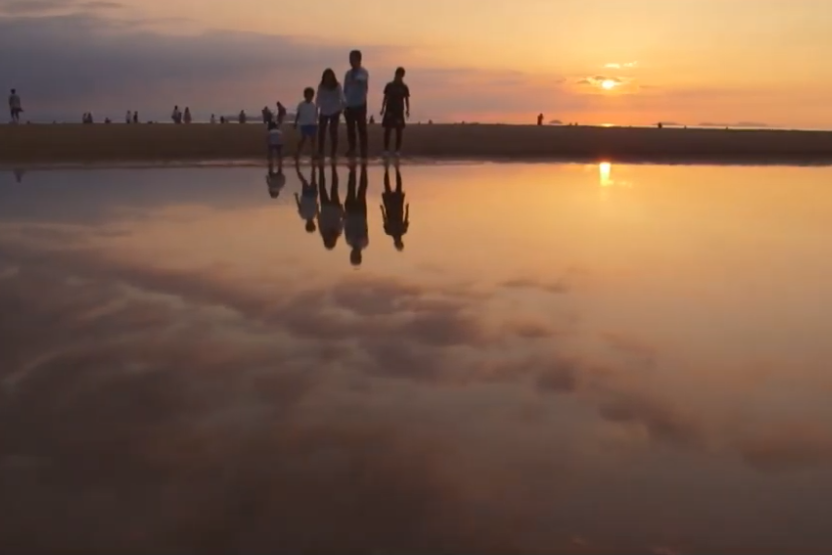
(687, 61)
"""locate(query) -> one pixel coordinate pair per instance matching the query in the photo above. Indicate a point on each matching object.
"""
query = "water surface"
(560, 358)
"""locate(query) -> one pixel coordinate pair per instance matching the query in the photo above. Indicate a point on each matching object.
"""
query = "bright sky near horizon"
(592, 61)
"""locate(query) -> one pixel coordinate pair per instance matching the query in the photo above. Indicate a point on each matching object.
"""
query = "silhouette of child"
(308, 200)
(306, 118)
(331, 217)
(394, 211)
(355, 221)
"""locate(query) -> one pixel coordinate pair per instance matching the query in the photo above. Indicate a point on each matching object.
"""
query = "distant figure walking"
(135, 116)
(539, 119)
(355, 220)
(306, 119)
(267, 114)
(394, 211)
(281, 113)
(396, 109)
(188, 118)
(213, 119)
(176, 115)
(242, 117)
(356, 85)
(330, 101)
(15, 106)
(129, 117)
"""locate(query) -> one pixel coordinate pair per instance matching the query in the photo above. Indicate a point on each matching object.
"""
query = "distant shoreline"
(145, 143)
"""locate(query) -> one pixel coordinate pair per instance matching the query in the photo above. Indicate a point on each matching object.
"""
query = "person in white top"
(306, 117)
(308, 200)
(356, 86)
(330, 101)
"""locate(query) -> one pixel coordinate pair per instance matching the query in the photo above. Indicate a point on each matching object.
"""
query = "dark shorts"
(393, 120)
(309, 131)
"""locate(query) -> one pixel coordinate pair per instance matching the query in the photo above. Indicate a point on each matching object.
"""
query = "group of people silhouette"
(318, 115)
(322, 209)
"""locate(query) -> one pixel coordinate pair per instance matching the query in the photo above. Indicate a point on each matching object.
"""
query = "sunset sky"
(592, 61)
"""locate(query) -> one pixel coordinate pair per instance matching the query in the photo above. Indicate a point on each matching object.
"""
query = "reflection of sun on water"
(605, 174)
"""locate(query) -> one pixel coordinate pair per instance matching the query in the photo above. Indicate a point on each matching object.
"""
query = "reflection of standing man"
(394, 211)
(356, 85)
(355, 224)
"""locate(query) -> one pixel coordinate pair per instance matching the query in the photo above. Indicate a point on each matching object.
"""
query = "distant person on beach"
(330, 101)
(267, 114)
(241, 118)
(188, 118)
(222, 119)
(396, 109)
(135, 116)
(274, 140)
(331, 216)
(539, 119)
(394, 212)
(308, 200)
(15, 106)
(129, 117)
(356, 230)
(356, 85)
(213, 119)
(306, 119)
(176, 115)
(281, 113)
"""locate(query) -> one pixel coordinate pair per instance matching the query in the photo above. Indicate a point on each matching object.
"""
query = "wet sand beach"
(161, 142)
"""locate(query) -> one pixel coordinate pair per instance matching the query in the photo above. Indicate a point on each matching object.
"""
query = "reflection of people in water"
(308, 200)
(355, 222)
(394, 211)
(274, 142)
(276, 181)
(331, 217)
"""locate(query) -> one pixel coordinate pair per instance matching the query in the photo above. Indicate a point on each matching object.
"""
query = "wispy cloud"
(625, 65)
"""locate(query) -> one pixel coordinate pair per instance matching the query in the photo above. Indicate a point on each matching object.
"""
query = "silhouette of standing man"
(356, 85)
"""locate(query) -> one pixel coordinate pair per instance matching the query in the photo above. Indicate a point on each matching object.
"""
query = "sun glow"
(608, 84)
(605, 174)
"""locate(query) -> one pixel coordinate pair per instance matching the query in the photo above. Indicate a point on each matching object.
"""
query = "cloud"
(83, 56)
(788, 449)
(734, 124)
(231, 418)
(625, 65)
(45, 7)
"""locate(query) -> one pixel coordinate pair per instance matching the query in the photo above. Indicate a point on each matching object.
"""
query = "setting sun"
(608, 84)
